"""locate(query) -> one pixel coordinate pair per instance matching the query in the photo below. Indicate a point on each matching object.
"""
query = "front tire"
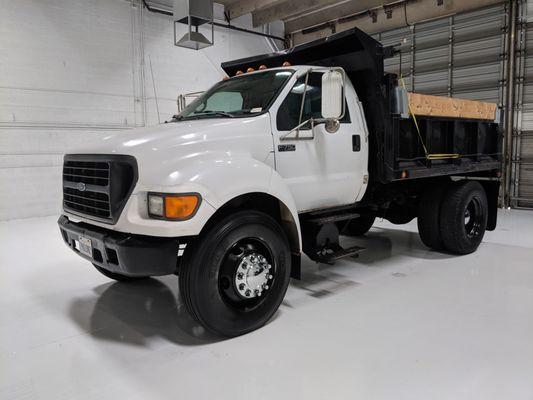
(233, 279)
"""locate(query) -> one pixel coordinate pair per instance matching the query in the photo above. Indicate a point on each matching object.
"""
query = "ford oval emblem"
(81, 186)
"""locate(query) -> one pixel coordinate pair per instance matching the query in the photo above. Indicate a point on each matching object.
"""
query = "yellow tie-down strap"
(429, 156)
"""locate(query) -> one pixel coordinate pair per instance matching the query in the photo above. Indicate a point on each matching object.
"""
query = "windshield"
(246, 94)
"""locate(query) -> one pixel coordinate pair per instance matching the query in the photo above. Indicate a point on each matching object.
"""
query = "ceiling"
(297, 15)
(306, 20)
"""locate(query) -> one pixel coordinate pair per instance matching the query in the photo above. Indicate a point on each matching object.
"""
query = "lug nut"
(241, 286)
(270, 276)
(240, 275)
(247, 293)
(266, 287)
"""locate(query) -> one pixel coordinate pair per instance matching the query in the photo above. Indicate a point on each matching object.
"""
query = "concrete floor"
(400, 322)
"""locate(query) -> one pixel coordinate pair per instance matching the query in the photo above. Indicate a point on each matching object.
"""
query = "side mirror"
(332, 95)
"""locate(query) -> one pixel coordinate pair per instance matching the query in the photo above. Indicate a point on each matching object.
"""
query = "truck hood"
(175, 145)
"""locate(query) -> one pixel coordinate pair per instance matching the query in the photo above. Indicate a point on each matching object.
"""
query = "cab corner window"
(288, 116)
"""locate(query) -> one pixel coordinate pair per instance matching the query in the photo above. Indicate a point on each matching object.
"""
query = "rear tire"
(429, 217)
(118, 277)
(464, 214)
(357, 226)
(233, 279)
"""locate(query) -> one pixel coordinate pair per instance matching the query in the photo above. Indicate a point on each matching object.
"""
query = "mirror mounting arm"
(296, 129)
(302, 104)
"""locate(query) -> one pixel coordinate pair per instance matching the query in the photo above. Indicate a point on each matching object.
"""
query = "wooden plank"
(438, 106)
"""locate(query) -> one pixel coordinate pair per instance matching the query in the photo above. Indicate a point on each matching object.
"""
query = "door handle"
(356, 143)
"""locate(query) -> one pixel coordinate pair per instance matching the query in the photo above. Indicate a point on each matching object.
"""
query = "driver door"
(322, 169)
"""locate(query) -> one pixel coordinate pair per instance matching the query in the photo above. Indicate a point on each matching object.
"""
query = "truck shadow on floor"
(381, 245)
(384, 244)
(138, 312)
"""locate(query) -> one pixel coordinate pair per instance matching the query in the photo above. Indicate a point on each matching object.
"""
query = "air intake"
(193, 13)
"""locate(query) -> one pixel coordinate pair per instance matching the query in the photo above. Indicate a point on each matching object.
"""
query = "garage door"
(522, 152)
(460, 55)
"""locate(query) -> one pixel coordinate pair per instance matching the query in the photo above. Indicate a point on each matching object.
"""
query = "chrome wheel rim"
(247, 273)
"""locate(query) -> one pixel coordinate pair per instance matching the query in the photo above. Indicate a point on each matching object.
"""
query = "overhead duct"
(193, 13)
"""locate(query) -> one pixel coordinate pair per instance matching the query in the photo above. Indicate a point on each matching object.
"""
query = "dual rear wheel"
(453, 217)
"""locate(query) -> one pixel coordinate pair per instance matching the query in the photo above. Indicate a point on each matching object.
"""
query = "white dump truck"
(290, 151)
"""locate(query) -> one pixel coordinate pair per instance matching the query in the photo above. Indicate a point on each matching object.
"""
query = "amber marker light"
(250, 69)
(239, 72)
(286, 64)
(178, 207)
(262, 66)
(225, 78)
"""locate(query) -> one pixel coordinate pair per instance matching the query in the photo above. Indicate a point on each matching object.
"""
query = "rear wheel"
(464, 215)
(118, 277)
(357, 226)
(234, 278)
(429, 217)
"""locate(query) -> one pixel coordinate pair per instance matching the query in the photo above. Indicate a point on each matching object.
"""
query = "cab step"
(335, 252)
(333, 218)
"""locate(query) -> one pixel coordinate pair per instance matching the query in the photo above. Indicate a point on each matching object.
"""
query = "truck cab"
(262, 168)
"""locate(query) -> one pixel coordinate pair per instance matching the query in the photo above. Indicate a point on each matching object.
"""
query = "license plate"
(85, 246)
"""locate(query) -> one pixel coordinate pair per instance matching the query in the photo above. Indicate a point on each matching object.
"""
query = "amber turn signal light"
(173, 206)
(180, 207)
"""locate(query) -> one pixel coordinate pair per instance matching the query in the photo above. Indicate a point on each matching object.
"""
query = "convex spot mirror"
(332, 95)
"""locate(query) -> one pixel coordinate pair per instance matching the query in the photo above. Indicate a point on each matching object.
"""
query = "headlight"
(171, 206)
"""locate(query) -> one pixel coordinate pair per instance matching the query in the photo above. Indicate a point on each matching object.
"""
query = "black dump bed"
(396, 144)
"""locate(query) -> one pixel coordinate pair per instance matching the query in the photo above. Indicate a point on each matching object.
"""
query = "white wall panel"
(74, 71)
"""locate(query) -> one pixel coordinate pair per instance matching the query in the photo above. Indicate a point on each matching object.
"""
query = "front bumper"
(123, 253)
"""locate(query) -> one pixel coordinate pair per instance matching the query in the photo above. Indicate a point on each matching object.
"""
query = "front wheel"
(233, 279)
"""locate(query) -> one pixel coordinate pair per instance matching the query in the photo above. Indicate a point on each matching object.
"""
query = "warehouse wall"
(74, 71)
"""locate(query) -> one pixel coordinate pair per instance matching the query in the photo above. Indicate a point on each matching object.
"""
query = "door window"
(288, 115)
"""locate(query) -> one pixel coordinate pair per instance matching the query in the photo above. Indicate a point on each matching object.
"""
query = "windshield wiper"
(222, 113)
